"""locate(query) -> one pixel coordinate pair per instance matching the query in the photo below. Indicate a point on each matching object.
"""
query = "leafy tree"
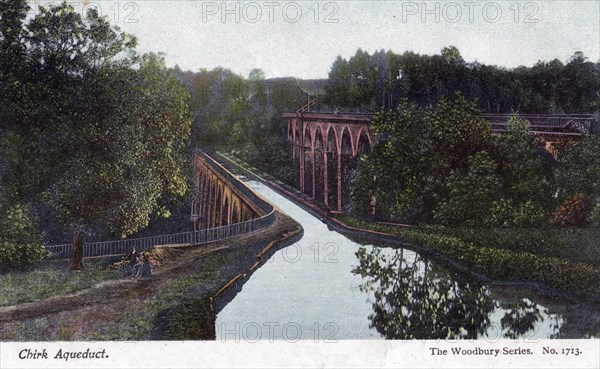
(471, 192)
(102, 134)
(452, 56)
(578, 173)
(527, 181)
(579, 168)
(141, 159)
(12, 16)
(361, 83)
(215, 95)
(444, 165)
(396, 170)
(458, 133)
(12, 57)
(418, 151)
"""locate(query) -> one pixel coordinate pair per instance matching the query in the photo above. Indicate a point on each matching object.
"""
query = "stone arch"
(307, 156)
(297, 133)
(297, 137)
(332, 156)
(346, 147)
(318, 165)
(363, 143)
(225, 218)
(245, 214)
(307, 137)
(217, 206)
(297, 153)
(319, 142)
(347, 164)
(235, 211)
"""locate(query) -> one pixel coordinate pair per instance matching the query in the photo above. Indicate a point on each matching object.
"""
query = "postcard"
(331, 184)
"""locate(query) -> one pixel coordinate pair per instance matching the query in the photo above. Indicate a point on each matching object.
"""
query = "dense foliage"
(503, 264)
(444, 165)
(20, 238)
(89, 128)
(368, 82)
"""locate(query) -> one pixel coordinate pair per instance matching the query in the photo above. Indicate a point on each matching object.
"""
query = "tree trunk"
(77, 259)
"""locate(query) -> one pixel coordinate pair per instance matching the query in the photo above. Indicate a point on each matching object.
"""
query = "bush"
(573, 212)
(21, 243)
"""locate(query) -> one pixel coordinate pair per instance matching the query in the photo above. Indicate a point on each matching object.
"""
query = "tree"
(578, 176)
(12, 60)
(458, 132)
(396, 171)
(471, 192)
(359, 83)
(526, 177)
(103, 134)
(421, 158)
(12, 16)
(452, 56)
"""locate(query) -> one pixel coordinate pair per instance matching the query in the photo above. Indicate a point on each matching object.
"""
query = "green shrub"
(21, 242)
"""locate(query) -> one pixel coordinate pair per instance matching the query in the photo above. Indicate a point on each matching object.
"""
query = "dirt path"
(87, 314)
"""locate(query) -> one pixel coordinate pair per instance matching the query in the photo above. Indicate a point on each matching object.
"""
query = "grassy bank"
(565, 260)
(52, 278)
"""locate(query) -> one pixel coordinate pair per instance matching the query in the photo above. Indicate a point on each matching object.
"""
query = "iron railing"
(545, 122)
(199, 237)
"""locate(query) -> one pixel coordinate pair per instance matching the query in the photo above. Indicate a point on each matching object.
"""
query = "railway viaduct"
(326, 146)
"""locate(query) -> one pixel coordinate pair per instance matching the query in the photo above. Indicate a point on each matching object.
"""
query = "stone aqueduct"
(218, 202)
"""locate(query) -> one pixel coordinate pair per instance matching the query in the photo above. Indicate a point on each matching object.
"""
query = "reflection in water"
(416, 300)
(392, 293)
(522, 318)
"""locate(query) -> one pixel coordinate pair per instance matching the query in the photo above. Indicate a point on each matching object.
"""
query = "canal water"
(327, 287)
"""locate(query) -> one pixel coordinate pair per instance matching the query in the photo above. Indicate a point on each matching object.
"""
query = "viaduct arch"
(325, 149)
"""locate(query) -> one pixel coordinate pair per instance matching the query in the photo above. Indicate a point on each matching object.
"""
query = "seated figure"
(143, 268)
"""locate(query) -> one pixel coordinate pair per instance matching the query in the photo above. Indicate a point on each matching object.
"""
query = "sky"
(303, 38)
